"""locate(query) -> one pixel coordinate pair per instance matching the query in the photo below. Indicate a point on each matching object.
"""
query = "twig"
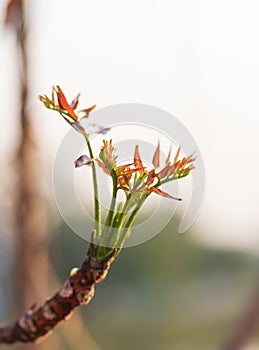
(75, 333)
(77, 290)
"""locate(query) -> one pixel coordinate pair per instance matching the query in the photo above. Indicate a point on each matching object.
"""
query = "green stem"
(97, 207)
(124, 213)
(114, 229)
(113, 200)
(110, 215)
(126, 228)
(117, 223)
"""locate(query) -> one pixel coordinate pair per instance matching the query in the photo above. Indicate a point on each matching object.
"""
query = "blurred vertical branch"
(30, 246)
(29, 213)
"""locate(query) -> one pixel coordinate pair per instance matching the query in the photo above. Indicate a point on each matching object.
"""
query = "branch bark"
(78, 290)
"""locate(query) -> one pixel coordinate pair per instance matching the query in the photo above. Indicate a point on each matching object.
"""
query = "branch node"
(48, 312)
(85, 296)
(66, 291)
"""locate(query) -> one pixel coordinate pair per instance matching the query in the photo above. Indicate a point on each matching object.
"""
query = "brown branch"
(75, 333)
(77, 290)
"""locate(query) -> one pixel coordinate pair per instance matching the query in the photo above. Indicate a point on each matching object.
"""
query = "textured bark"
(74, 334)
(78, 290)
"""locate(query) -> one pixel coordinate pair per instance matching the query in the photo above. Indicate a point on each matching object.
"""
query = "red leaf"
(123, 166)
(164, 194)
(84, 113)
(62, 101)
(164, 172)
(63, 104)
(150, 178)
(156, 156)
(137, 159)
(124, 180)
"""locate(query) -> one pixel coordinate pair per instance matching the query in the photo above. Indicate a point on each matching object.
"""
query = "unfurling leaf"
(156, 158)
(164, 194)
(177, 155)
(167, 162)
(75, 101)
(137, 159)
(107, 155)
(63, 104)
(83, 160)
(84, 113)
(76, 126)
(151, 177)
(103, 131)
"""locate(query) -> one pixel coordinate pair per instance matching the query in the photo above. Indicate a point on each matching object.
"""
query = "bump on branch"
(78, 290)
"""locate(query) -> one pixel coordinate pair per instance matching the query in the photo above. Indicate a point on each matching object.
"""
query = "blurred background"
(197, 60)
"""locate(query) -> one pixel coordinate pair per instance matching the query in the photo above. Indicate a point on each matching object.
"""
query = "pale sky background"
(198, 60)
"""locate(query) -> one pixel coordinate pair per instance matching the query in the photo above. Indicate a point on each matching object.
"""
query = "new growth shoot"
(133, 179)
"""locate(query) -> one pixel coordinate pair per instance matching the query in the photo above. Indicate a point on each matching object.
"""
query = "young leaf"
(137, 159)
(164, 194)
(83, 160)
(156, 158)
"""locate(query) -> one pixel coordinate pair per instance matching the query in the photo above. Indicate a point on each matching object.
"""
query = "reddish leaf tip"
(156, 157)
(137, 159)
